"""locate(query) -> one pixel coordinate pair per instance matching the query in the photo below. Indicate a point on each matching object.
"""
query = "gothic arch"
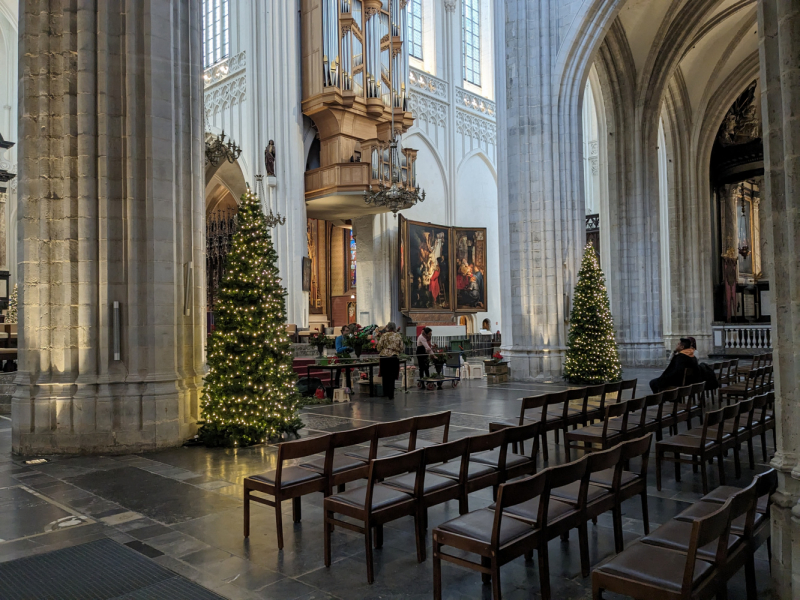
(480, 153)
(409, 142)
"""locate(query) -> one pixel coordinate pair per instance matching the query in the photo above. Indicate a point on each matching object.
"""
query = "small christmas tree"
(11, 315)
(249, 393)
(592, 355)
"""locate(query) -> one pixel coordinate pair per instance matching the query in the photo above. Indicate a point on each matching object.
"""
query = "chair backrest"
(715, 526)
(696, 392)
(753, 377)
(381, 468)
(555, 399)
(713, 419)
(767, 485)
(760, 406)
(449, 451)
(746, 407)
(532, 403)
(611, 392)
(487, 441)
(302, 448)
(744, 503)
(628, 384)
(639, 447)
(351, 437)
(391, 429)
(730, 414)
(670, 396)
(602, 460)
(513, 493)
(523, 433)
(432, 421)
(562, 475)
(632, 406)
(576, 393)
(614, 410)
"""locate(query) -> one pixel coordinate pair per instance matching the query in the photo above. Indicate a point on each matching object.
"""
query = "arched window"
(415, 28)
(216, 31)
(471, 22)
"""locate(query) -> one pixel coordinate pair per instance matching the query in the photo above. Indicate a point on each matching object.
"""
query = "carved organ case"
(353, 78)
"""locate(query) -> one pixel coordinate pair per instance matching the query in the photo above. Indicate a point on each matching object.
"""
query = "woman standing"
(424, 349)
(390, 346)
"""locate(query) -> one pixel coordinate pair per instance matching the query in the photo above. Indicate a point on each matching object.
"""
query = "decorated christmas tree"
(11, 315)
(249, 393)
(592, 355)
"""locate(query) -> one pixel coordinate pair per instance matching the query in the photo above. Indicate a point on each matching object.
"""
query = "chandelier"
(217, 150)
(744, 244)
(271, 219)
(397, 189)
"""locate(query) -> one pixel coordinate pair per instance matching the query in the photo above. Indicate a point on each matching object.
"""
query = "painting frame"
(306, 274)
(402, 262)
(426, 272)
(470, 263)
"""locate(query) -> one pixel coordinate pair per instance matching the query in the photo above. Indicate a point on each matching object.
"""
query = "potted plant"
(320, 340)
(360, 339)
(439, 359)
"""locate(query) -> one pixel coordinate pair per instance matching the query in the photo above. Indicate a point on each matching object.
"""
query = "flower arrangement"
(320, 340)
(439, 357)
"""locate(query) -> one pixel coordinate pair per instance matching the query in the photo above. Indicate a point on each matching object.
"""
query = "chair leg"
(378, 536)
(487, 563)
(583, 543)
(750, 577)
(566, 446)
(619, 544)
(340, 488)
(544, 571)
(751, 453)
(704, 475)
(463, 502)
(279, 522)
(545, 453)
(677, 466)
(296, 512)
(420, 537)
(658, 470)
(437, 572)
(246, 512)
(764, 445)
(736, 463)
(368, 547)
(496, 579)
(721, 467)
(694, 464)
(645, 513)
(328, 527)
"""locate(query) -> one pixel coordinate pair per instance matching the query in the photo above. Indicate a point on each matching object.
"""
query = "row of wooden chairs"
(759, 360)
(561, 410)
(530, 512)
(343, 461)
(694, 555)
(722, 430)
(756, 381)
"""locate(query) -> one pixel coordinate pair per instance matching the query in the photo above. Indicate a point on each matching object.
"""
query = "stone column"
(377, 298)
(541, 222)
(111, 211)
(779, 38)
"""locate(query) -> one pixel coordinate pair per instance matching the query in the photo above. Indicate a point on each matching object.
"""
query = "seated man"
(682, 359)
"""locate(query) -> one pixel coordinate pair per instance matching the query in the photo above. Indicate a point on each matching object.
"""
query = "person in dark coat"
(676, 374)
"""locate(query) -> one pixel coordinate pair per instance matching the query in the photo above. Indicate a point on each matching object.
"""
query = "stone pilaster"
(111, 210)
(377, 292)
(779, 37)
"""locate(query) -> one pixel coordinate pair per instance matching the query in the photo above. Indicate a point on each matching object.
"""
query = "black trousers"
(655, 385)
(390, 369)
(346, 377)
(424, 362)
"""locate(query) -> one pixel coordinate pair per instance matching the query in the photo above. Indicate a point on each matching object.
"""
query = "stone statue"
(269, 159)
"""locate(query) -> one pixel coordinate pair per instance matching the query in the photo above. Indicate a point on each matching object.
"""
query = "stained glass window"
(415, 28)
(471, 19)
(352, 260)
(216, 31)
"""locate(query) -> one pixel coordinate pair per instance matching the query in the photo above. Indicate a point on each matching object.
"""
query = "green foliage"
(11, 315)
(249, 394)
(592, 355)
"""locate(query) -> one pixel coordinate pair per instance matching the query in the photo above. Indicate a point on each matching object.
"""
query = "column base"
(102, 418)
(535, 364)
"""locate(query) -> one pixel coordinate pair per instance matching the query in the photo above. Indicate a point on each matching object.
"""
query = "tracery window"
(471, 19)
(216, 31)
(415, 28)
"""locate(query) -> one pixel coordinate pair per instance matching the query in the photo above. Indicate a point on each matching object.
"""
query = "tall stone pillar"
(111, 214)
(377, 298)
(779, 33)
(540, 214)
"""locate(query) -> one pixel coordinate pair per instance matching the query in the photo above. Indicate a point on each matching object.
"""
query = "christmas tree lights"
(592, 355)
(249, 394)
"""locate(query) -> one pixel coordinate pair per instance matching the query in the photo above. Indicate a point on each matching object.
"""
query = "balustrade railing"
(742, 337)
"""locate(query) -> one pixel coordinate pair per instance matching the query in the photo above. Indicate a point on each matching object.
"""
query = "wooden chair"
(338, 468)
(478, 475)
(631, 483)
(679, 410)
(595, 403)
(602, 434)
(631, 424)
(495, 537)
(567, 412)
(383, 431)
(516, 465)
(577, 400)
(375, 504)
(746, 389)
(669, 399)
(756, 362)
(285, 482)
(530, 403)
(437, 489)
(700, 449)
(627, 385)
(676, 535)
(742, 430)
(424, 423)
(555, 417)
(649, 418)
(655, 573)
(763, 420)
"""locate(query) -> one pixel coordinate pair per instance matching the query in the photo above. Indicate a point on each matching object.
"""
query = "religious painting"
(351, 312)
(428, 270)
(306, 274)
(469, 253)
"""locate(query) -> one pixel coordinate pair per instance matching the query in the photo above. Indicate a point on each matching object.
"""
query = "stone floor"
(182, 509)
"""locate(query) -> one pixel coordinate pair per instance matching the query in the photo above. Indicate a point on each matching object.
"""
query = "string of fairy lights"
(592, 355)
(249, 394)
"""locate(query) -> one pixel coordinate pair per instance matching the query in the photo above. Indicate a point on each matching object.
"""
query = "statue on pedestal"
(269, 159)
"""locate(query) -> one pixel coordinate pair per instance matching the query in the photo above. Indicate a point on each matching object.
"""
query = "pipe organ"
(355, 73)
